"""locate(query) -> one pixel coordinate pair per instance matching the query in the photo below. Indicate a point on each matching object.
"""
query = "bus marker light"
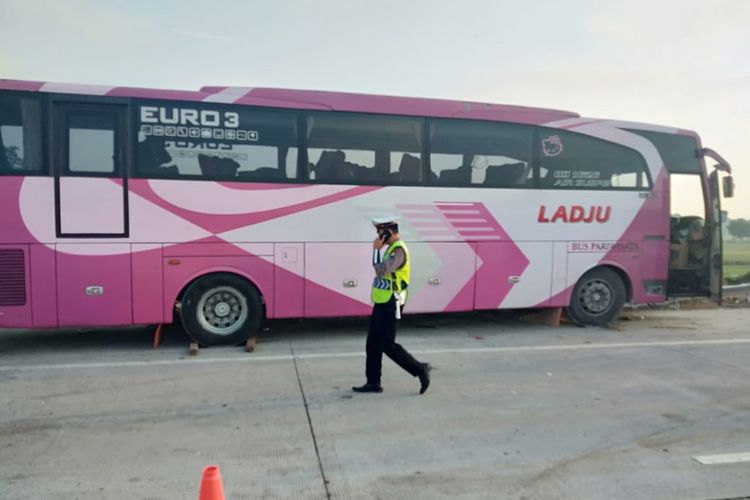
(173, 262)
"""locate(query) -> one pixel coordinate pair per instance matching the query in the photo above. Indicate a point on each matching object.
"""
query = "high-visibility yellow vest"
(383, 288)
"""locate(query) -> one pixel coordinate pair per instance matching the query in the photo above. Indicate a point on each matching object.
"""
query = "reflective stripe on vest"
(383, 288)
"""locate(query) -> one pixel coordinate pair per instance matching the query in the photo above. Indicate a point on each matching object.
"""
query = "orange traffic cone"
(211, 488)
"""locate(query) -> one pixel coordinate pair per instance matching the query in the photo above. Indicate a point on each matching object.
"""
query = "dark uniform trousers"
(381, 339)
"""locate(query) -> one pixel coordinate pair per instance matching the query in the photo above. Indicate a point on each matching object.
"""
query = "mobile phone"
(385, 235)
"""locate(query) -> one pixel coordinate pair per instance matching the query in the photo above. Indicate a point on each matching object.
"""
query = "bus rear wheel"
(597, 298)
(221, 309)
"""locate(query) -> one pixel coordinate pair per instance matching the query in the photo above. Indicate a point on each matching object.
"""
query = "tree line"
(739, 228)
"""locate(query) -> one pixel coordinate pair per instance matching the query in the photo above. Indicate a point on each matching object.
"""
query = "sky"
(681, 63)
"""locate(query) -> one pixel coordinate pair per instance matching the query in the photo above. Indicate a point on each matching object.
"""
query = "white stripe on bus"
(228, 95)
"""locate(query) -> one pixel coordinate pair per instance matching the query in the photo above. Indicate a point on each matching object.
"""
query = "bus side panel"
(93, 284)
(643, 262)
(442, 277)
(646, 265)
(534, 281)
(15, 300)
(579, 262)
(180, 271)
(289, 281)
(499, 265)
(43, 286)
(559, 276)
(338, 278)
(148, 285)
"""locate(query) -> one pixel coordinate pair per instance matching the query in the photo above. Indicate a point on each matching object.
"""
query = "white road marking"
(727, 458)
(250, 358)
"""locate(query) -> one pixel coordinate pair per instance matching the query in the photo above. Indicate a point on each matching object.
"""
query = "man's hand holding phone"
(381, 239)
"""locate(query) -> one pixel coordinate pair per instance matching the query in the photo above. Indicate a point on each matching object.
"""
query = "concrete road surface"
(516, 410)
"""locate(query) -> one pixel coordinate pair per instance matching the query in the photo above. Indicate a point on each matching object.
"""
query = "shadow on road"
(141, 337)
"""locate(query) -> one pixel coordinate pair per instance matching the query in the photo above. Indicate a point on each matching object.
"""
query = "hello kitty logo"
(552, 145)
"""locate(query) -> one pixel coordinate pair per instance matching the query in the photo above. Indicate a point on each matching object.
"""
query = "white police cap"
(381, 221)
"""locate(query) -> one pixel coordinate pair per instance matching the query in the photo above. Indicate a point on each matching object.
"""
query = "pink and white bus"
(229, 205)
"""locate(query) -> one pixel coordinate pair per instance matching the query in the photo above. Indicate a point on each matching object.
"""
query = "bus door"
(691, 238)
(715, 261)
(714, 205)
(91, 204)
(89, 160)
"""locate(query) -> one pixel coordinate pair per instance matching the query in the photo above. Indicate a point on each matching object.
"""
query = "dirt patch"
(697, 303)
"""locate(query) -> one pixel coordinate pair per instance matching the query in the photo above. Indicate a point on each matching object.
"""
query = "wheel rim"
(596, 297)
(222, 310)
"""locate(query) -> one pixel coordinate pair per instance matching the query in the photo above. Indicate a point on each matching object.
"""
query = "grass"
(736, 259)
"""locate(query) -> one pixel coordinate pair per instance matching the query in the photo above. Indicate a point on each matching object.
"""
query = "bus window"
(20, 134)
(406, 166)
(219, 143)
(465, 153)
(349, 165)
(570, 160)
(91, 142)
(364, 148)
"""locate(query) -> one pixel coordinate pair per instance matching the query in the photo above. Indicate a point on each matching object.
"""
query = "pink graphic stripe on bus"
(180, 95)
(500, 261)
(464, 299)
(261, 186)
(213, 198)
(21, 85)
(322, 301)
(456, 291)
(35, 212)
(219, 223)
(497, 256)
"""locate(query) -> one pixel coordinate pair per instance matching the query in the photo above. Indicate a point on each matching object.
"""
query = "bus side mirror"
(728, 186)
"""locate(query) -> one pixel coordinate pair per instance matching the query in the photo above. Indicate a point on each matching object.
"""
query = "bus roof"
(336, 101)
(311, 100)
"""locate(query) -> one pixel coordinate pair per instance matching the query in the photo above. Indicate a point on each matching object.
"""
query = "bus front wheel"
(597, 298)
(221, 309)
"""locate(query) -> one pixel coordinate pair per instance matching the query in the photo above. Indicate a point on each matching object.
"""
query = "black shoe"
(424, 378)
(368, 387)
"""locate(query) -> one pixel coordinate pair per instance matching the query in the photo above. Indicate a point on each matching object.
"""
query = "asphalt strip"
(254, 358)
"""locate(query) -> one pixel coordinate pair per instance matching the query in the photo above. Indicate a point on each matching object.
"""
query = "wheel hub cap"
(596, 297)
(222, 310)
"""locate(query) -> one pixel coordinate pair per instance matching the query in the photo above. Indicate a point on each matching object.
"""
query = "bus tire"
(221, 309)
(597, 298)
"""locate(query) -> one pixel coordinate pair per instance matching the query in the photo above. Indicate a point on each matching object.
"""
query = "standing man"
(389, 295)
